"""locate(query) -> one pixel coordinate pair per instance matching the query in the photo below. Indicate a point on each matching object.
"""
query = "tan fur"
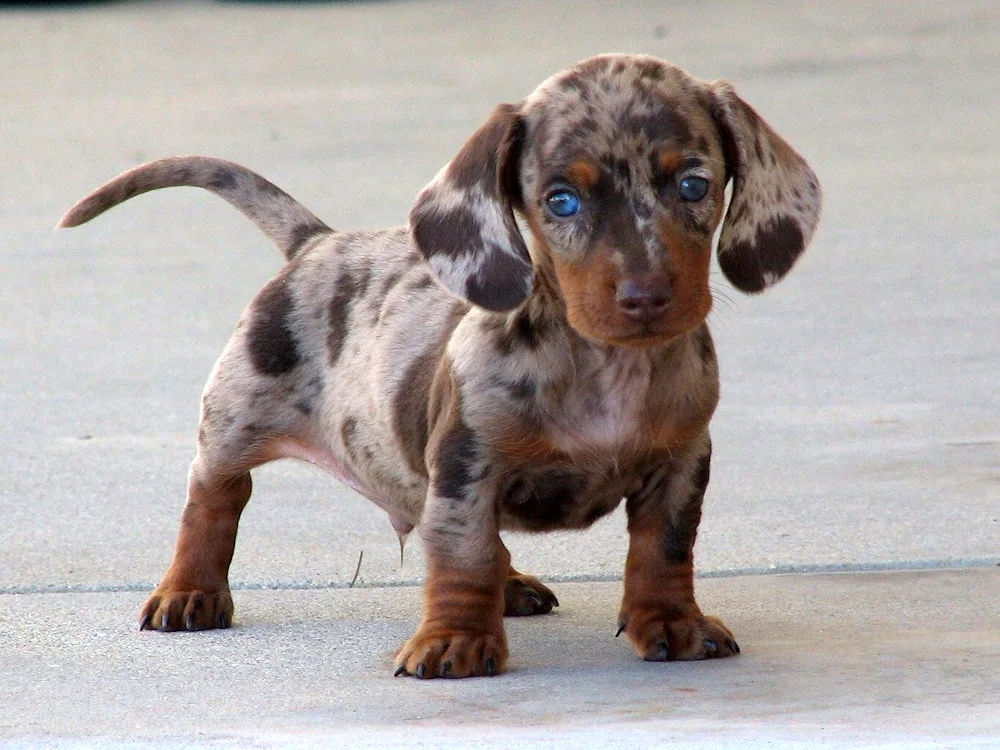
(468, 379)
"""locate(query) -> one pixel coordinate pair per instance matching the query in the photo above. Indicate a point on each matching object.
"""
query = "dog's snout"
(643, 300)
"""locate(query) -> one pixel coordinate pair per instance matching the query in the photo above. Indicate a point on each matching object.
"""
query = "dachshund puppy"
(527, 353)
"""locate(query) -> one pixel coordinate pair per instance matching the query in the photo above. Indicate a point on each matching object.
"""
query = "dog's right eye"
(563, 203)
(692, 189)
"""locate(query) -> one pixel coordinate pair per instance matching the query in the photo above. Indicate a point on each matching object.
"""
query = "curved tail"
(277, 214)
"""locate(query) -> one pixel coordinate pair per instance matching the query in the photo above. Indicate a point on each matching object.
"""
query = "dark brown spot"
(339, 308)
(679, 536)
(388, 282)
(301, 234)
(410, 409)
(573, 81)
(267, 187)
(308, 395)
(501, 282)
(663, 124)
(223, 180)
(650, 69)
(772, 253)
(421, 281)
(453, 233)
(519, 331)
(706, 349)
(522, 389)
(348, 432)
(271, 342)
(410, 417)
(456, 458)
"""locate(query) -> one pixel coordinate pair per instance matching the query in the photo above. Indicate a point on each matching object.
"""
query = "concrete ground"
(857, 446)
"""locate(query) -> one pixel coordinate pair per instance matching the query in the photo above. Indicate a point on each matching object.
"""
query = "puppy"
(469, 376)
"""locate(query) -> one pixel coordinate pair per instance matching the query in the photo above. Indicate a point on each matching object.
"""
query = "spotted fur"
(495, 366)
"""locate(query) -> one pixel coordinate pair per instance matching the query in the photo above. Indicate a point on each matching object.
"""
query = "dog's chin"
(639, 341)
(637, 336)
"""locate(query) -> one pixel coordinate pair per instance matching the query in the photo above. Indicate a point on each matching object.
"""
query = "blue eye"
(563, 203)
(692, 189)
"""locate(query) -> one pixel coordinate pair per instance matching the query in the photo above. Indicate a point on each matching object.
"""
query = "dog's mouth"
(633, 335)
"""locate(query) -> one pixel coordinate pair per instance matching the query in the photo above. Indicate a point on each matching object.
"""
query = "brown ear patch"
(754, 266)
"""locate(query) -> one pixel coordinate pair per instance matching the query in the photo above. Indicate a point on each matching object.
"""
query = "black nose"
(643, 300)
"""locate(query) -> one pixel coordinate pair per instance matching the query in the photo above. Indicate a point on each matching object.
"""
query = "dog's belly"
(394, 500)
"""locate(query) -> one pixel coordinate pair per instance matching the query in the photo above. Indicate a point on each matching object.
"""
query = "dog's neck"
(594, 396)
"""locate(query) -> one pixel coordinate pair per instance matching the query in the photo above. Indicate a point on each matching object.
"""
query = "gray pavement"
(859, 428)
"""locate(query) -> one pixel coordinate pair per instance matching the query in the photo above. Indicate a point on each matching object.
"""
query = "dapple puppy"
(469, 376)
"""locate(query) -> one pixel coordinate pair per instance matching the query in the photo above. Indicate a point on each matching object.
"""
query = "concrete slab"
(872, 660)
(858, 424)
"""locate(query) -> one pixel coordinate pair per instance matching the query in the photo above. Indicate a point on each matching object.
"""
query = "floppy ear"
(463, 221)
(776, 197)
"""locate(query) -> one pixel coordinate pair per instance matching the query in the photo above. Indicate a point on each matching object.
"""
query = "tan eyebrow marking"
(583, 173)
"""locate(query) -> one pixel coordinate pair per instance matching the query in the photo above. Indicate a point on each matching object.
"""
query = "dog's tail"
(277, 214)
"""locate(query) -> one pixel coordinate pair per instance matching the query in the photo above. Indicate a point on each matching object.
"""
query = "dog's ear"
(776, 197)
(463, 221)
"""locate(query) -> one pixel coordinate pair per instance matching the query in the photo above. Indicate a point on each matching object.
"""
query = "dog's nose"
(643, 300)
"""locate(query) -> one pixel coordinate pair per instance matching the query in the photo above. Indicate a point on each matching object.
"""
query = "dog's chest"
(589, 452)
(604, 410)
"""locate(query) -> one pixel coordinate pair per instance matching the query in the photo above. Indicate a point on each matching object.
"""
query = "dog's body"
(543, 386)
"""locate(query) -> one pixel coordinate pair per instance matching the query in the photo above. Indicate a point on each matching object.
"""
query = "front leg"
(462, 633)
(659, 613)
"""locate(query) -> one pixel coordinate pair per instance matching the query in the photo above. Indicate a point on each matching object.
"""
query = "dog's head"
(618, 167)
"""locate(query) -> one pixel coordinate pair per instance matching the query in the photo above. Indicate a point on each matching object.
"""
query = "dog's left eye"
(692, 188)
(563, 203)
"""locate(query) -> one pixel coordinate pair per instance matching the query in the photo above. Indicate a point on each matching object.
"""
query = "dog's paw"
(452, 653)
(677, 636)
(525, 595)
(186, 610)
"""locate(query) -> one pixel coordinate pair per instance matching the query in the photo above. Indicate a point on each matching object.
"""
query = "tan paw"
(167, 610)
(452, 653)
(677, 636)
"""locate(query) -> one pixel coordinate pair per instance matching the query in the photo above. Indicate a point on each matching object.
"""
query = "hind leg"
(194, 593)
(246, 416)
